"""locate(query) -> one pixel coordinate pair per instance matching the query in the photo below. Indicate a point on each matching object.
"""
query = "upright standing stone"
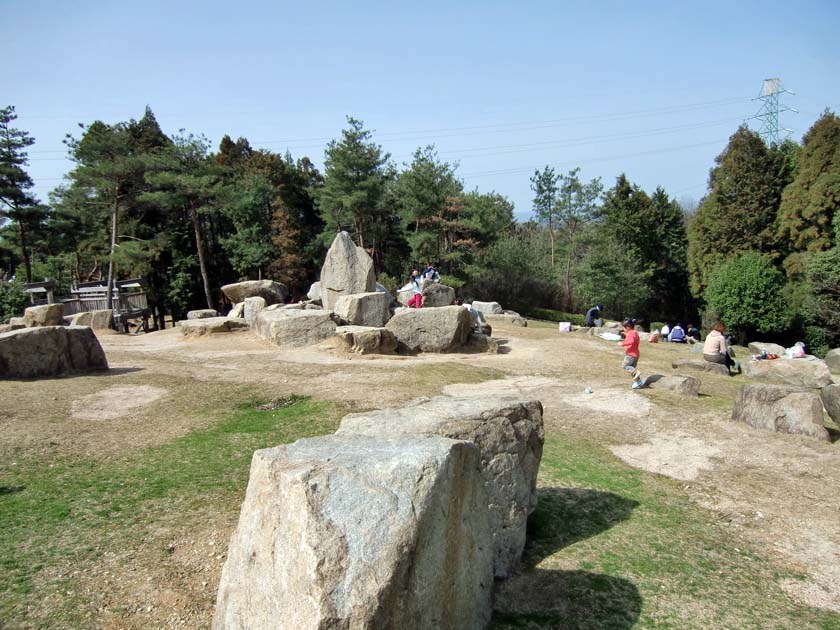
(347, 270)
(253, 307)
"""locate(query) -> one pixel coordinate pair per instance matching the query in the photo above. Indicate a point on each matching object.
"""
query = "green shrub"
(12, 300)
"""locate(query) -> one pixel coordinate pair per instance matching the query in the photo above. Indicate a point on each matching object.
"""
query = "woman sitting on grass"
(716, 348)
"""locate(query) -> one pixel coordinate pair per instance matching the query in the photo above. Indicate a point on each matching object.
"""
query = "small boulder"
(364, 309)
(700, 365)
(50, 351)
(352, 531)
(80, 319)
(830, 396)
(807, 371)
(435, 294)
(294, 327)
(209, 326)
(756, 347)
(444, 329)
(488, 308)
(479, 342)
(507, 318)
(678, 383)
(832, 360)
(17, 323)
(781, 408)
(237, 311)
(44, 315)
(367, 340)
(347, 270)
(253, 307)
(272, 292)
(314, 292)
(102, 319)
(202, 313)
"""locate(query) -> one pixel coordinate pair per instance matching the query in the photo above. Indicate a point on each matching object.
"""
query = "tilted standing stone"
(347, 269)
(510, 434)
(360, 532)
(252, 307)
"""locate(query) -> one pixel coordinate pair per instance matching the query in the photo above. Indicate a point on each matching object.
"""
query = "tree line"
(760, 252)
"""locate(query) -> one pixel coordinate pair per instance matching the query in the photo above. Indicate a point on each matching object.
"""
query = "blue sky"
(651, 89)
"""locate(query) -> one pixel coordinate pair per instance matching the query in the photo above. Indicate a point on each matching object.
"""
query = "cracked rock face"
(353, 531)
(347, 270)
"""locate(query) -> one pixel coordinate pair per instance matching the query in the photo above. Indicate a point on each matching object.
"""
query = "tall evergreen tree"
(17, 204)
(545, 185)
(811, 201)
(739, 212)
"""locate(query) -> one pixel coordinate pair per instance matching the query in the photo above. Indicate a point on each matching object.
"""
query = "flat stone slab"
(772, 348)
(210, 326)
(700, 365)
(272, 292)
(352, 531)
(50, 351)
(782, 409)
(202, 313)
(807, 371)
(294, 327)
(506, 318)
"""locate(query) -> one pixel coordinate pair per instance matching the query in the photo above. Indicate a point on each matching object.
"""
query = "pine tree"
(545, 185)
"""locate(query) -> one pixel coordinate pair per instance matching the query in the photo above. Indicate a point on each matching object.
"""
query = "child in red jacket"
(631, 352)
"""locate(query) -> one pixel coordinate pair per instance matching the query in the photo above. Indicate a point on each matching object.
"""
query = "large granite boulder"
(50, 351)
(700, 365)
(294, 327)
(444, 329)
(44, 315)
(364, 309)
(511, 319)
(272, 292)
(210, 326)
(807, 371)
(367, 340)
(678, 383)
(252, 307)
(781, 408)
(508, 431)
(202, 313)
(830, 396)
(488, 308)
(832, 360)
(353, 531)
(347, 270)
(435, 294)
(756, 347)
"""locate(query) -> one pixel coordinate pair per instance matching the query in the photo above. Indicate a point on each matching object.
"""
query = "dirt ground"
(779, 490)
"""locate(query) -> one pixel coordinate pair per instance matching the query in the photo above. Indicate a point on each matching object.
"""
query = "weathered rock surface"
(832, 360)
(488, 308)
(382, 289)
(272, 292)
(700, 365)
(202, 313)
(505, 318)
(50, 351)
(17, 322)
(805, 372)
(347, 270)
(404, 296)
(98, 320)
(479, 342)
(44, 315)
(781, 408)
(5, 328)
(436, 294)
(210, 326)
(444, 329)
(358, 532)
(253, 307)
(237, 311)
(678, 383)
(830, 396)
(294, 327)
(367, 340)
(364, 309)
(510, 434)
(772, 348)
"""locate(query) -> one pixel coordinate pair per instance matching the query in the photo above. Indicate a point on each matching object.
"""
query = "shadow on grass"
(543, 598)
(566, 515)
(573, 600)
(4, 490)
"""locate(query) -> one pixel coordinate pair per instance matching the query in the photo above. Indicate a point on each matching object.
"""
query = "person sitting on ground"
(716, 348)
(432, 273)
(677, 334)
(693, 333)
(415, 284)
(665, 332)
(592, 314)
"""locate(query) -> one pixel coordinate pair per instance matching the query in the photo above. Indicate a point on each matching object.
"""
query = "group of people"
(416, 281)
(678, 334)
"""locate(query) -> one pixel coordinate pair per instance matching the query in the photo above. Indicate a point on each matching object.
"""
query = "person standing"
(631, 352)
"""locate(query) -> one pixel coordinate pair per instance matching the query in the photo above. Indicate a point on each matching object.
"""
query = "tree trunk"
(567, 281)
(551, 237)
(114, 213)
(198, 246)
(24, 250)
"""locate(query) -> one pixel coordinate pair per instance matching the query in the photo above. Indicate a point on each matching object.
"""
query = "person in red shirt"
(631, 352)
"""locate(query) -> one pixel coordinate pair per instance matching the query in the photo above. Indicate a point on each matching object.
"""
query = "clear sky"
(651, 89)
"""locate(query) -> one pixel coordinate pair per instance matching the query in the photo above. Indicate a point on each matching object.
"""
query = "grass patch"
(56, 515)
(613, 547)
